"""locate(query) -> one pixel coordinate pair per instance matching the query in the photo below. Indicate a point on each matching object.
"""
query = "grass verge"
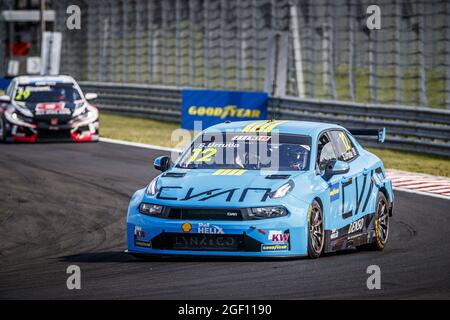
(136, 129)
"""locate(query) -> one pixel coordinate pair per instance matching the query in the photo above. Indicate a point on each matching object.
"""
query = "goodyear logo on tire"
(216, 106)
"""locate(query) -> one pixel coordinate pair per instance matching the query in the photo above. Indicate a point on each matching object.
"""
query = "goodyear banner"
(216, 106)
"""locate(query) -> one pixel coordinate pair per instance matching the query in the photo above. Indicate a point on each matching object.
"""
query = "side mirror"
(162, 163)
(91, 96)
(335, 167)
(5, 99)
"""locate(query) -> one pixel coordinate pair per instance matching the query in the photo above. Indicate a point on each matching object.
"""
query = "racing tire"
(2, 130)
(316, 232)
(381, 225)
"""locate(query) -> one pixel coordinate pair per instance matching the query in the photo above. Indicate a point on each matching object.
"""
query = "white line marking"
(139, 145)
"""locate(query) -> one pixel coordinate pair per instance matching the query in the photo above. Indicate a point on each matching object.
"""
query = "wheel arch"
(385, 192)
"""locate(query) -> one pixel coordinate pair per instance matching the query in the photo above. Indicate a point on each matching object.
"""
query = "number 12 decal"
(206, 154)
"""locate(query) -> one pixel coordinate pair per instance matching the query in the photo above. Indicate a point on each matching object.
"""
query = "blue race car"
(264, 189)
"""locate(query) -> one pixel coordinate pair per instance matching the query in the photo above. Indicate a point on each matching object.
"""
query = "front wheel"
(316, 234)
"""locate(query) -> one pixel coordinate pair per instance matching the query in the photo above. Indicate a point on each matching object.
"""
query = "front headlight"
(16, 118)
(150, 209)
(283, 190)
(267, 212)
(152, 189)
(83, 116)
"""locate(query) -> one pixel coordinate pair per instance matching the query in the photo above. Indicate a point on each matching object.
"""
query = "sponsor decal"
(274, 247)
(334, 234)
(356, 226)
(207, 228)
(51, 109)
(186, 227)
(54, 121)
(334, 192)
(217, 145)
(223, 112)
(209, 194)
(278, 236)
(251, 138)
(216, 106)
(145, 244)
(204, 241)
(232, 214)
(262, 231)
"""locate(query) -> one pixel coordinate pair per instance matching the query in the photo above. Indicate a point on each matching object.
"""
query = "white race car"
(47, 108)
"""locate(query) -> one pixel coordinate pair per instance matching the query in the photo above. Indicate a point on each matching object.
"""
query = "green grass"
(136, 129)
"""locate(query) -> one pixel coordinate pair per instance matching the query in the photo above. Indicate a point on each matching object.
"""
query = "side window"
(9, 90)
(345, 149)
(325, 151)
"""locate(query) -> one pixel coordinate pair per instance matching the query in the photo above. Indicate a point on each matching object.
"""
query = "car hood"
(216, 187)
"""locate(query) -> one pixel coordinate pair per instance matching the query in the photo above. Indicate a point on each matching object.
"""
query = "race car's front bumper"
(247, 238)
(43, 133)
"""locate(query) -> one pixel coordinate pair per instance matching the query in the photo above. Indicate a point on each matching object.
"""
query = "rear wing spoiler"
(379, 133)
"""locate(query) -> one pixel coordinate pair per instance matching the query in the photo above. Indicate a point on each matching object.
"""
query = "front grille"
(205, 242)
(205, 214)
(54, 135)
(46, 120)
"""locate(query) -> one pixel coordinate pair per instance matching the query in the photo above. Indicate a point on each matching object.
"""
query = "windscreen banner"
(216, 106)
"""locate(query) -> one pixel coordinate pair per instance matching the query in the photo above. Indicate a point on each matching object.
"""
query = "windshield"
(247, 151)
(57, 92)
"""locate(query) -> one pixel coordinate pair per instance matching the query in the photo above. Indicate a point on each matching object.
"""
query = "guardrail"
(409, 129)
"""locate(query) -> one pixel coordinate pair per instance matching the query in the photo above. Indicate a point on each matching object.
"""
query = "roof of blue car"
(267, 126)
(36, 79)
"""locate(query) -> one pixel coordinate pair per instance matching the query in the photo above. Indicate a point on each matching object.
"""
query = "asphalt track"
(65, 204)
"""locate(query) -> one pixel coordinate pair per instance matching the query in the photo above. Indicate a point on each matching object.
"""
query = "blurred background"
(318, 60)
(329, 52)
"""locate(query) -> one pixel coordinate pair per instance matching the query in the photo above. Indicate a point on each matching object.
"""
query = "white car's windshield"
(280, 152)
(57, 92)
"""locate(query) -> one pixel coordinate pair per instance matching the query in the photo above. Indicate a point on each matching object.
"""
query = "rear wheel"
(381, 224)
(316, 234)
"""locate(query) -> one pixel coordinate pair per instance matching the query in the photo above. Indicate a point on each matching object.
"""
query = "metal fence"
(409, 128)
(330, 53)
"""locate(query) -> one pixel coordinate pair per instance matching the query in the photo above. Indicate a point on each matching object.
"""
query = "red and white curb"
(420, 183)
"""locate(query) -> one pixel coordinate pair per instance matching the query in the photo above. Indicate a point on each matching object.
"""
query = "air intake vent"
(278, 176)
(174, 174)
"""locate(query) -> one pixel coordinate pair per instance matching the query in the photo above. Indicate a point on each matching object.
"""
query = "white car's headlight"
(84, 115)
(14, 117)
(79, 110)
(283, 190)
(24, 110)
(152, 188)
